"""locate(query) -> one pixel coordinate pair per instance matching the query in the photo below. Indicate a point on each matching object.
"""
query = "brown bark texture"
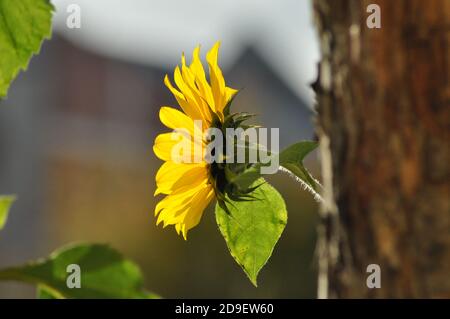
(383, 102)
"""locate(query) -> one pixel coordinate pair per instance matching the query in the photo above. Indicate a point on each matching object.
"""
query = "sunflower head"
(190, 183)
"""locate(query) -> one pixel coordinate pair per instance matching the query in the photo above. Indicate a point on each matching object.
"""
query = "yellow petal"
(216, 78)
(193, 217)
(174, 119)
(200, 78)
(172, 176)
(192, 213)
(200, 98)
(229, 93)
(196, 65)
(165, 143)
(190, 96)
(177, 202)
(175, 92)
(187, 108)
(178, 228)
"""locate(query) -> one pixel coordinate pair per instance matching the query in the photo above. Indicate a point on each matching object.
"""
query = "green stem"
(14, 274)
(304, 185)
(11, 274)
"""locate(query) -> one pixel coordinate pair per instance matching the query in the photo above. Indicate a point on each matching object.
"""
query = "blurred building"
(76, 136)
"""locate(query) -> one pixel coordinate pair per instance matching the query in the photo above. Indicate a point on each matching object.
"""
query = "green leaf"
(5, 205)
(252, 228)
(297, 152)
(24, 24)
(291, 159)
(44, 293)
(104, 273)
(245, 179)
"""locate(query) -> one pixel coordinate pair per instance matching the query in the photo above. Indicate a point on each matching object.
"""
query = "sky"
(155, 33)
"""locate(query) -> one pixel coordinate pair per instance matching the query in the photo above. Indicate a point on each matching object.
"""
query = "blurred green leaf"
(105, 273)
(44, 293)
(24, 24)
(5, 205)
(252, 228)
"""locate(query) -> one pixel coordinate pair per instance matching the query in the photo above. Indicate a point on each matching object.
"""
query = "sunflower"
(190, 186)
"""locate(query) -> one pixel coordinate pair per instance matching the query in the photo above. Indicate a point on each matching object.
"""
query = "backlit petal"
(172, 176)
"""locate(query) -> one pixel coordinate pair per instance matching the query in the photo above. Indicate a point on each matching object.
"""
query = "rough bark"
(384, 127)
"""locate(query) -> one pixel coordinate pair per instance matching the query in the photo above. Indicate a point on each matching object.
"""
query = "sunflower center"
(222, 172)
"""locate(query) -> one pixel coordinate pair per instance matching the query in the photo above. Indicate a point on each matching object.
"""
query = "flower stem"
(304, 185)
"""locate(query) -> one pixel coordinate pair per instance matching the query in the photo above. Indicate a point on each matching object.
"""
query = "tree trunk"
(383, 123)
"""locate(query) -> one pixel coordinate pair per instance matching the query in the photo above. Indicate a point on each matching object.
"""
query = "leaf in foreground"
(24, 24)
(252, 228)
(5, 205)
(105, 273)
